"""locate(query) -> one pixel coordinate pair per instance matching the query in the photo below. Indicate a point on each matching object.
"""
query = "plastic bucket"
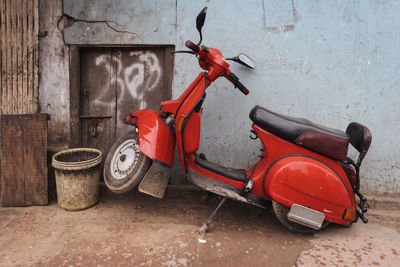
(77, 177)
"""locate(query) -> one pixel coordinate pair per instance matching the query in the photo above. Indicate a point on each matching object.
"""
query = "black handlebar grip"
(242, 88)
(235, 80)
(189, 44)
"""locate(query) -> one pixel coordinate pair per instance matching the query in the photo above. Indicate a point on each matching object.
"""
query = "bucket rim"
(77, 165)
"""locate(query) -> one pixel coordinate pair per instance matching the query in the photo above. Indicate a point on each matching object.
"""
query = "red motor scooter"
(304, 168)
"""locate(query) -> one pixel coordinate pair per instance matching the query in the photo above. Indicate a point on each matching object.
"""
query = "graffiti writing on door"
(133, 74)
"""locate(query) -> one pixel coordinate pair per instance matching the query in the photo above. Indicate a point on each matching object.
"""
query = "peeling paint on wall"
(279, 15)
(337, 64)
(329, 61)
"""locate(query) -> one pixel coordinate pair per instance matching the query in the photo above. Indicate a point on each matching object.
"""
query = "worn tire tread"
(124, 185)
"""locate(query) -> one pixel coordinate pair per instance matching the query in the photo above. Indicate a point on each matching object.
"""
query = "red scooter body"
(156, 140)
(296, 175)
(289, 171)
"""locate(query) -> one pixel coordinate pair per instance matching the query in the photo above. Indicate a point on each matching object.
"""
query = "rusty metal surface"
(19, 56)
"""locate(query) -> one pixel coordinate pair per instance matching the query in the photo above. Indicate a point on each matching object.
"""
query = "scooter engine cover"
(306, 181)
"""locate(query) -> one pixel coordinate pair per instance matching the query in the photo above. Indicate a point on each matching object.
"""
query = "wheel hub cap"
(124, 159)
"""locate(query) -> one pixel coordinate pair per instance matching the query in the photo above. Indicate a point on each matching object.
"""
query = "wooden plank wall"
(23, 153)
(19, 92)
(19, 53)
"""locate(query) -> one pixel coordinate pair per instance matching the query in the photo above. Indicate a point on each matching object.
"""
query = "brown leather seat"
(327, 141)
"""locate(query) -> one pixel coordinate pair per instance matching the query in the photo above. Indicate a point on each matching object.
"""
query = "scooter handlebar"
(231, 77)
(235, 80)
(192, 46)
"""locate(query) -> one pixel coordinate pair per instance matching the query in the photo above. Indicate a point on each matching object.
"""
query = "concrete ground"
(138, 230)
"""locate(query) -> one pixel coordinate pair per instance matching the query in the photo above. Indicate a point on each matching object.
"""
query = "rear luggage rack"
(362, 208)
(360, 139)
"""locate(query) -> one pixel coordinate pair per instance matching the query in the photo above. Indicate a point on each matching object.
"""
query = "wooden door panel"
(116, 82)
(35, 159)
(140, 82)
(98, 98)
(154, 82)
(130, 80)
(12, 171)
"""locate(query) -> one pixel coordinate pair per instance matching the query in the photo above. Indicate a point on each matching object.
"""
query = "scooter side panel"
(306, 181)
(192, 133)
(155, 138)
(275, 148)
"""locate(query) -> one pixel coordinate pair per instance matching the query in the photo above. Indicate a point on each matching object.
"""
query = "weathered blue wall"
(329, 61)
(121, 22)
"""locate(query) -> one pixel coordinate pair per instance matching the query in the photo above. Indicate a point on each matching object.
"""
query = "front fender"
(304, 180)
(155, 138)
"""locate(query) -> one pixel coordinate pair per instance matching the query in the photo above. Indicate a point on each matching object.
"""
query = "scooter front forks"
(204, 227)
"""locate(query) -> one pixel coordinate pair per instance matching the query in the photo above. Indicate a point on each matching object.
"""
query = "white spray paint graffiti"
(132, 81)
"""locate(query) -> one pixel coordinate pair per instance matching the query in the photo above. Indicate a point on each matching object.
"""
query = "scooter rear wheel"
(125, 165)
(281, 213)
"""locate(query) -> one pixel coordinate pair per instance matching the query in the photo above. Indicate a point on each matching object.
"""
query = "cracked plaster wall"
(120, 22)
(331, 62)
(54, 74)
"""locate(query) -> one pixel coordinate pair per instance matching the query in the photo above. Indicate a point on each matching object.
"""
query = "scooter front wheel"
(281, 213)
(125, 165)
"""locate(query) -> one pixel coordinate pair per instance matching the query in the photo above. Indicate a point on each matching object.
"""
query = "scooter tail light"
(350, 214)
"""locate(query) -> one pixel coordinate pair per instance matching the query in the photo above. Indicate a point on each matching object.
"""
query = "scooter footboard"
(155, 138)
(309, 182)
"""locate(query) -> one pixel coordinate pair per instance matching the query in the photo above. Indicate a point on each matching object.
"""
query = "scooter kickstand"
(204, 227)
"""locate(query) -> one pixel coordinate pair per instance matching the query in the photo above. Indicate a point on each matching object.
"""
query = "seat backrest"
(360, 137)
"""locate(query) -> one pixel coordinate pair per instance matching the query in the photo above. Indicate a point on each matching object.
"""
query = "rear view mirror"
(201, 17)
(245, 60)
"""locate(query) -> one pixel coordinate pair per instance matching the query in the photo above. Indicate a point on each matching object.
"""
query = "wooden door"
(116, 82)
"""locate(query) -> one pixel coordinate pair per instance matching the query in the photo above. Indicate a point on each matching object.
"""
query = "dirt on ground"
(139, 230)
